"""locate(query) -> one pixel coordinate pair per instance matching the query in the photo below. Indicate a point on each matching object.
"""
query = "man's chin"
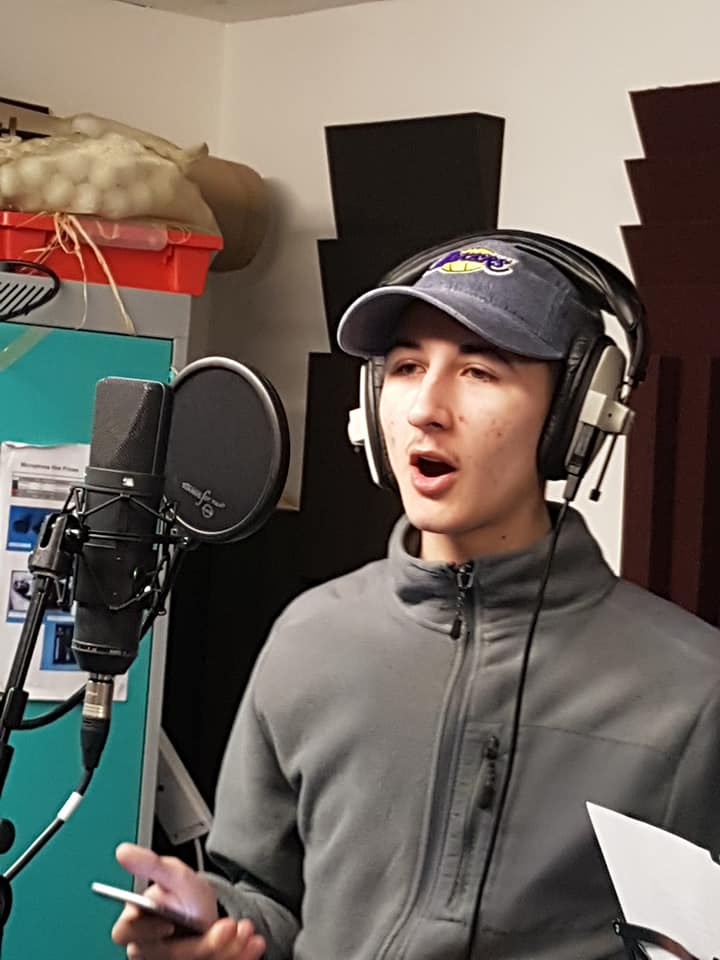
(437, 521)
(444, 515)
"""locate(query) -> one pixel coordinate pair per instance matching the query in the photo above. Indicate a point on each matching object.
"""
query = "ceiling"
(232, 11)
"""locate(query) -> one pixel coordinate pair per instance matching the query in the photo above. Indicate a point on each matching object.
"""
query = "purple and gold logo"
(472, 259)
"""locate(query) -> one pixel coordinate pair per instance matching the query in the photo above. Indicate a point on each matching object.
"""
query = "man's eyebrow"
(402, 344)
(485, 350)
(471, 348)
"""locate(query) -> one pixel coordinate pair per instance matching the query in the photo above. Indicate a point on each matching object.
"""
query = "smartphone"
(184, 925)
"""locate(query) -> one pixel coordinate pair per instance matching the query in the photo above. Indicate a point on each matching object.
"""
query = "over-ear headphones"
(590, 399)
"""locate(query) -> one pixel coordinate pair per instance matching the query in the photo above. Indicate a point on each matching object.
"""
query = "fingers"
(175, 885)
(255, 949)
(166, 871)
(134, 926)
(226, 940)
(134, 859)
(151, 938)
(233, 940)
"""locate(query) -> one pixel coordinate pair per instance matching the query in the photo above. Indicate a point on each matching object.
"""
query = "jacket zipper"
(490, 755)
(401, 934)
(482, 798)
(464, 576)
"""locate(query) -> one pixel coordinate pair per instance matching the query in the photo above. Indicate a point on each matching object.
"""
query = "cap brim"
(367, 328)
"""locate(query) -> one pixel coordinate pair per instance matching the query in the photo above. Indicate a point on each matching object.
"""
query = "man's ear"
(364, 427)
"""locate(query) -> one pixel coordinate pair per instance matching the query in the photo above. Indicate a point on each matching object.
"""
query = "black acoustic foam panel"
(398, 186)
(402, 185)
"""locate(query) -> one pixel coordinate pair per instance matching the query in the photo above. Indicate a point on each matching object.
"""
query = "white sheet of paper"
(662, 882)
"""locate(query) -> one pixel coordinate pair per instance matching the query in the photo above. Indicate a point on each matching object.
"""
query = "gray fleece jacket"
(360, 782)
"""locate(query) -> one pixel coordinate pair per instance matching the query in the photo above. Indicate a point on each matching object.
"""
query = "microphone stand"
(61, 539)
(51, 565)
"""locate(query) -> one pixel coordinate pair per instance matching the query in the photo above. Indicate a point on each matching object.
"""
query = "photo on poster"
(24, 524)
(20, 594)
(32, 481)
(56, 647)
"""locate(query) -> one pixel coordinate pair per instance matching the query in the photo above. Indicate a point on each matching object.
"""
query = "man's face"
(462, 423)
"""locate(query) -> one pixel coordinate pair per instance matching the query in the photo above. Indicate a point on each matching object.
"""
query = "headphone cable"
(515, 729)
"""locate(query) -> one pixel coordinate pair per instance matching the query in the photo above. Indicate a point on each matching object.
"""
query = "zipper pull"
(490, 755)
(464, 574)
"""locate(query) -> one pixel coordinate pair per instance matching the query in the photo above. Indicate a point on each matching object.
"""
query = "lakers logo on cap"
(472, 259)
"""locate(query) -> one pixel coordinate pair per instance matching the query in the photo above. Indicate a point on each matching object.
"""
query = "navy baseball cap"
(513, 299)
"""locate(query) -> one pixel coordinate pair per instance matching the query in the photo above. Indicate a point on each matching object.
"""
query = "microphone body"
(118, 506)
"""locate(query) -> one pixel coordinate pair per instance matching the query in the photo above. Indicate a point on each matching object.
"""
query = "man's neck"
(503, 536)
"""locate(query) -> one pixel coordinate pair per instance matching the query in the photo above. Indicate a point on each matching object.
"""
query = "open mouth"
(431, 466)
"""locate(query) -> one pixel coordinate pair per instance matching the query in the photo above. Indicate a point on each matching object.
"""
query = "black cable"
(62, 817)
(515, 730)
(59, 711)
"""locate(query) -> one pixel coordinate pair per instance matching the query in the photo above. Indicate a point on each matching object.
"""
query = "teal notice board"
(47, 397)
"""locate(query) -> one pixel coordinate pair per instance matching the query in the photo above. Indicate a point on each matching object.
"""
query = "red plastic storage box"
(138, 254)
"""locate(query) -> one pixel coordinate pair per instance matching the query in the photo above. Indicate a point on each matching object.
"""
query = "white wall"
(559, 71)
(262, 93)
(157, 71)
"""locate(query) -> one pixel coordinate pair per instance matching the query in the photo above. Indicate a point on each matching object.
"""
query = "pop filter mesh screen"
(225, 452)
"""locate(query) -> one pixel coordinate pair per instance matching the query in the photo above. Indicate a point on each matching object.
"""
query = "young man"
(357, 805)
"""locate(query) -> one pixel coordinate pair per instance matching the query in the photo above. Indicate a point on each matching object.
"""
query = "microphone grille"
(130, 425)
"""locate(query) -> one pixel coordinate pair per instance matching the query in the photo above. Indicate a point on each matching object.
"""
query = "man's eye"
(404, 368)
(480, 373)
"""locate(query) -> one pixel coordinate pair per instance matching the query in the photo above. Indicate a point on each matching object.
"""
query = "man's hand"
(177, 886)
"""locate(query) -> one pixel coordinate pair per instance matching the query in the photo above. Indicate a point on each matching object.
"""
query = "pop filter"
(228, 450)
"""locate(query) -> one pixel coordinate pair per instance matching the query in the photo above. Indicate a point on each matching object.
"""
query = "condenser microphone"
(118, 505)
(203, 460)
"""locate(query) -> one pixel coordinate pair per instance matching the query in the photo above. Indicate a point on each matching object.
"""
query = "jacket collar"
(505, 585)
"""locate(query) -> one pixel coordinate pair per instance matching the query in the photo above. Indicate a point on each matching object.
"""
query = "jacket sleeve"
(254, 838)
(692, 810)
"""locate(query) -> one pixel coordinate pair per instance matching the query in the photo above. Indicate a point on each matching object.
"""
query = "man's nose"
(430, 406)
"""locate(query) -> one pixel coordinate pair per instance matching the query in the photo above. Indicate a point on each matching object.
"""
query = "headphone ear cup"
(375, 449)
(562, 420)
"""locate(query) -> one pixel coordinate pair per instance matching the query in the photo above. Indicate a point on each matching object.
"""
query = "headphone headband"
(602, 283)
